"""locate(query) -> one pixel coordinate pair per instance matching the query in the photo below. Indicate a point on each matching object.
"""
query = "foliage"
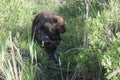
(95, 62)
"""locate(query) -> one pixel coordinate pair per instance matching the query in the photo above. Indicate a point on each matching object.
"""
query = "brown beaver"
(46, 30)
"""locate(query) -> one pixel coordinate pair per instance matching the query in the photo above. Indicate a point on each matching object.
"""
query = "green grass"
(96, 61)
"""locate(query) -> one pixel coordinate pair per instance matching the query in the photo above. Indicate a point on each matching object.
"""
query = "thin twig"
(13, 59)
(114, 73)
(85, 39)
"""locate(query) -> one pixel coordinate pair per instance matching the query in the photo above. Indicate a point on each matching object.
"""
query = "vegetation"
(90, 48)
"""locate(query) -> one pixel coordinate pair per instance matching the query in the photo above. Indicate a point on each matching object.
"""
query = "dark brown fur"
(49, 22)
(47, 27)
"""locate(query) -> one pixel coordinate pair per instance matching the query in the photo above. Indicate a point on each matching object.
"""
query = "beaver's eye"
(55, 21)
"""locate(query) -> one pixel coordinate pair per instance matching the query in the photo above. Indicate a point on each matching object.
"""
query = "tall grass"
(13, 65)
(96, 61)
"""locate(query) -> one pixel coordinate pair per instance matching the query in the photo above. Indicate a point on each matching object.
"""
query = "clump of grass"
(98, 58)
(16, 17)
(13, 66)
(101, 23)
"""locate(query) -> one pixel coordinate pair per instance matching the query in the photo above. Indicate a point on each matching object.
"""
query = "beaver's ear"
(55, 20)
